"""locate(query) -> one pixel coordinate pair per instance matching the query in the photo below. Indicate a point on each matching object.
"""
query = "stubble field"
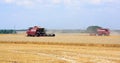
(64, 48)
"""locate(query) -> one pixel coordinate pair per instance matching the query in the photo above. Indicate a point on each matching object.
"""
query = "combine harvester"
(101, 32)
(38, 32)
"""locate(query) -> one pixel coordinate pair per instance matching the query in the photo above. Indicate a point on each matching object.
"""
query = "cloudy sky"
(59, 14)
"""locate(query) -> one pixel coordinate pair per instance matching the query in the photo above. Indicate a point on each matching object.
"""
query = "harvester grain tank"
(38, 31)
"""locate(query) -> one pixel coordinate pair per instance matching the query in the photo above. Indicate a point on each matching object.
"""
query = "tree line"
(7, 31)
(90, 29)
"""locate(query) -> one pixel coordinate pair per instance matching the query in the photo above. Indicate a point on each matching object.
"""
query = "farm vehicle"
(101, 32)
(38, 31)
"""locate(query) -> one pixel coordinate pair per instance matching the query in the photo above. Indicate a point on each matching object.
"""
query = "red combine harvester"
(102, 31)
(37, 31)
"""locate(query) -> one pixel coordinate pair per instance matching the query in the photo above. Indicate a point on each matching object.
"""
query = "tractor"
(38, 31)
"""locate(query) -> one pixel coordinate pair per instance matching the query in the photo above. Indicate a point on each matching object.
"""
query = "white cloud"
(99, 2)
(9, 1)
(72, 2)
(67, 2)
(20, 2)
(96, 2)
(56, 1)
(27, 3)
(59, 2)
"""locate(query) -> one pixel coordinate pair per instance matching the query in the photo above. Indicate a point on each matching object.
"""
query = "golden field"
(64, 48)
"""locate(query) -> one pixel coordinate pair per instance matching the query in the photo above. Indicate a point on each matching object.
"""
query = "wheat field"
(64, 48)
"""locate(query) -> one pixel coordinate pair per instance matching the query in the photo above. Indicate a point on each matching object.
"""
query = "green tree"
(93, 29)
(7, 31)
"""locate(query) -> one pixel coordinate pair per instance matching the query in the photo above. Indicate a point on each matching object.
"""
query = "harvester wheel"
(53, 35)
(37, 34)
(28, 35)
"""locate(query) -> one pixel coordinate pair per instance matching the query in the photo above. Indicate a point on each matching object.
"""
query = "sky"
(59, 14)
